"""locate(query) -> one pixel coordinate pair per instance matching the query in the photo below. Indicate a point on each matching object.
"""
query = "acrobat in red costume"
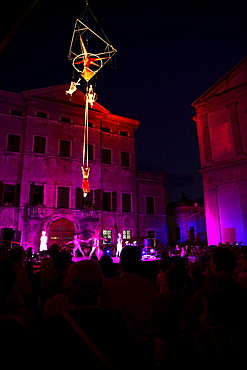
(85, 181)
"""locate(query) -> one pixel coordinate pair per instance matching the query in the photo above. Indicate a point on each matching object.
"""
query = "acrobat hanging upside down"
(85, 181)
(72, 87)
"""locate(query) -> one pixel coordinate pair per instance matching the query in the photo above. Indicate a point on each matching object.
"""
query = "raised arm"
(72, 241)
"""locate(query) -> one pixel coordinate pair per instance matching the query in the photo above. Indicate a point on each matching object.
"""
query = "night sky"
(169, 53)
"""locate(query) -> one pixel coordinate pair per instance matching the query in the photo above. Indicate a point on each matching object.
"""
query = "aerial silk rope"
(85, 168)
(90, 99)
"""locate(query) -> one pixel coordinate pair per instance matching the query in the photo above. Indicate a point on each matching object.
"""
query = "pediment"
(236, 77)
(57, 94)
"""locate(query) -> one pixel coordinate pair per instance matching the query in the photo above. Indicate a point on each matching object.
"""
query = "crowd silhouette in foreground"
(170, 313)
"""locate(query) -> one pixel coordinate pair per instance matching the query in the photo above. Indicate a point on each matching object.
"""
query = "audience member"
(170, 304)
(163, 265)
(47, 263)
(135, 297)
(106, 328)
(11, 301)
(222, 261)
(22, 282)
(3, 250)
(53, 284)
(219, 342)
(108, 267)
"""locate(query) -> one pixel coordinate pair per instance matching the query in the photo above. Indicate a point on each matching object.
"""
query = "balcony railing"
(36, 211)
(89, 214)
(39, 212)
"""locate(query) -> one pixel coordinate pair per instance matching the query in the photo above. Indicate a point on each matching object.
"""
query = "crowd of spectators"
(187, 308)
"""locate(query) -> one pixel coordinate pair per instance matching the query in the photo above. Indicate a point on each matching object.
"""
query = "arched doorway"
(61, 231)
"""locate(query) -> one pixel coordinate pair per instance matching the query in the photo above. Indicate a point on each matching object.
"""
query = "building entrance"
(60, 232)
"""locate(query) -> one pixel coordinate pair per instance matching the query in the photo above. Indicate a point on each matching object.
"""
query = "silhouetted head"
(53, 250)
(14, 256)
(223, 259)
(175, 278)
(107, 266)
(62, 261)
(83, 282)
(3, 250)
(226, 299)
(164, 264)
(178, 261)
(7, 278)
(130, 259)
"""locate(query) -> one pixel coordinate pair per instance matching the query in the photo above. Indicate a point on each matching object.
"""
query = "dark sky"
(169, 53)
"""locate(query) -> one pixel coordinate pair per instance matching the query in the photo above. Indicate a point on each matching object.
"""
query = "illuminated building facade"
(221, 118)
(186, 222)
(41, 141)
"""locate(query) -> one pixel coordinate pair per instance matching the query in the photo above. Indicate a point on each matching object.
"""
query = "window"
(192, 230)
(106, 129)
(126, 202)
(151, 234)
(64, 149)
(125, 159)
(9, 194)
(63, 197)
(127, 234)
(82, 202)
(97, 198)
(79, 204)
(16, 112)
(177, 233)
(66, 119)
(36, 195)
(90, 149)
(14, 143)
(109, 201)
(39, 144)
(41, 114)
(107, 234)
(124, 133)
(192, 233)
(150, 205)
(106, 156)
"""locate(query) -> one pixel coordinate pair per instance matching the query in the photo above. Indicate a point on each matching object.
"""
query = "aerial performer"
(72, 87)
(87, 59)
(85, 182)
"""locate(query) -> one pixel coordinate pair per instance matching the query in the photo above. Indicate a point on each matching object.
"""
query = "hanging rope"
(87, 62)
(90, 98)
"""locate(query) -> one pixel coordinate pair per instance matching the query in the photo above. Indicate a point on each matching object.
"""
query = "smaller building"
(186, 222)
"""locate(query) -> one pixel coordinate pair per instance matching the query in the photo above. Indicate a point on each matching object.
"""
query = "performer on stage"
(119, 245)
(95, 247)
(77, 245)
(43, 242)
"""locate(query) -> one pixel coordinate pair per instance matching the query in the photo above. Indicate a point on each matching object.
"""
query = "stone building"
(221, 119)
(186, 222)
(41, 141)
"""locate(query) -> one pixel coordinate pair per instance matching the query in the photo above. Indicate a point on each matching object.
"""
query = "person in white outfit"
(119, 245)
(43, 242)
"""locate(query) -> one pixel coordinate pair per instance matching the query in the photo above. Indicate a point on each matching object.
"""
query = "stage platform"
(115, 259)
